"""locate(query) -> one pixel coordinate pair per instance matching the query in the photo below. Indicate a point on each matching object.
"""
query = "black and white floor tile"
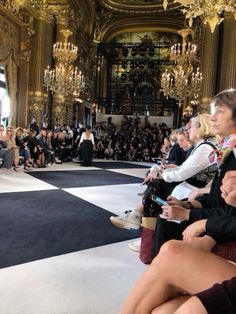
(90, 280)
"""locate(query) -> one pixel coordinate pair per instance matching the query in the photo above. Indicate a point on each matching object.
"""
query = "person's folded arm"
(195, 163)
(221, 226)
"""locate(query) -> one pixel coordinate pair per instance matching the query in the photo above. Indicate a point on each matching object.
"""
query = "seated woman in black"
(176, 155)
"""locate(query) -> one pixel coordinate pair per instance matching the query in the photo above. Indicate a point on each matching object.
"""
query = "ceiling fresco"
(143, 37)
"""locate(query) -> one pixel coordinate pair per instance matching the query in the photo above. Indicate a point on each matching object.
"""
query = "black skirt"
(86, 153)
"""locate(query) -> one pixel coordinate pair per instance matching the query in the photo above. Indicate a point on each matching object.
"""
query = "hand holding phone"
(158, 200)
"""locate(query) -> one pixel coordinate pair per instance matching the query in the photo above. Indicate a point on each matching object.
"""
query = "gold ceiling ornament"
(46, 10)
(14, 5)
(211, 11)
(181, 81)
(43, 8)
(64, 79)
(39, 4)
(50, 11)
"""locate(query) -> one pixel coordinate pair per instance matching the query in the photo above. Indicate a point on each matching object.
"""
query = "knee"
(169, 252)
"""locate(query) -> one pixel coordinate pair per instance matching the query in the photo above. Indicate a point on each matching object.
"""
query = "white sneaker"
(128, 221)
(135, 245)
(7, 171)
(58, 161)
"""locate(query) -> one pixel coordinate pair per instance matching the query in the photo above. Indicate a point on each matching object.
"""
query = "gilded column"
(41, 58)
(22, 108)
(208, 66)
(228, 59)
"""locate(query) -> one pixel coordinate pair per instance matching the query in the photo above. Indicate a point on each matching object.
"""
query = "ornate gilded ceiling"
(137, 6)
(115, 17)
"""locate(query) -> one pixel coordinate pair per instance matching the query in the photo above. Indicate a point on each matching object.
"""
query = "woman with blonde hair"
(197, 171)
(21, 142)
(10, 136)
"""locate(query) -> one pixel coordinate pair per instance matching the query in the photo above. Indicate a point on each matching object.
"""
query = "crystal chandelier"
(184, 54)
(64, 79)
(180, 83)
(211, 11)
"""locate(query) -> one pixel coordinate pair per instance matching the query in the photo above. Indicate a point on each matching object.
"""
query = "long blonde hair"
(204, 125)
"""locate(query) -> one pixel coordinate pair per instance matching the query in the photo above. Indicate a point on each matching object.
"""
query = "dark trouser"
(49, 157)
(167, 230)
(6, 154)
(24, 153)
(47, 154)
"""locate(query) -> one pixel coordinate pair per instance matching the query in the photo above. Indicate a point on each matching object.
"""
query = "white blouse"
(196, 162)
(84, 136)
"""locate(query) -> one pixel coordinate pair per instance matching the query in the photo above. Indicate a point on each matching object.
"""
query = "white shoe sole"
(124, 224)
(135, 248)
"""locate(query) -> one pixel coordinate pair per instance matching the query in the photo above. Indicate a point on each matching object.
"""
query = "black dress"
(86, 152)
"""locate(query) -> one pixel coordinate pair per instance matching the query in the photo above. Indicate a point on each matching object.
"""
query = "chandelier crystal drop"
(211, 11)
(64, 79)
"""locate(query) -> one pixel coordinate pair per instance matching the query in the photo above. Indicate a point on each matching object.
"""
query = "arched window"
(4, 98)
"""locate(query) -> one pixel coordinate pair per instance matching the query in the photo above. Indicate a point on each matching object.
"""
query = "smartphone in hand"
(158, 200)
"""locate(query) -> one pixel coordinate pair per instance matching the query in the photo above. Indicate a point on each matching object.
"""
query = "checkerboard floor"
(91, 281)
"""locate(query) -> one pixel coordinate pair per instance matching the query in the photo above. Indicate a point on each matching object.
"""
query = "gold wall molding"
(62, 113)
(38, 109)
(13, 6)
(9, 38)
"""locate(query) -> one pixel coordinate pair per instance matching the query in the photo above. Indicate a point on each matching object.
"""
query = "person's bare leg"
(140, 208)
(192, 305)
(175, 270)
(171, 306)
